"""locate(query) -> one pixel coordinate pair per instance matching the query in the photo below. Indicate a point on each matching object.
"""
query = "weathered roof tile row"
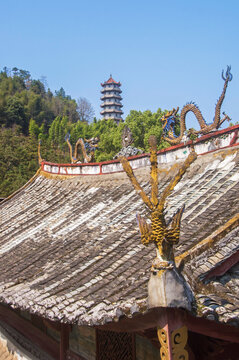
(70, 249)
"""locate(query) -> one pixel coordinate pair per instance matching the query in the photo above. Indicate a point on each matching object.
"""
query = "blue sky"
(165, 53)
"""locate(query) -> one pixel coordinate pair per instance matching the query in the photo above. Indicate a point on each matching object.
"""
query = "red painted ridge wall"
(144, 158)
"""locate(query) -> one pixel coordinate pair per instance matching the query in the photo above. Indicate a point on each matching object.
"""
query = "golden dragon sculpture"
(163, 234)
(167, 287)
(87, 145)
(168, 120)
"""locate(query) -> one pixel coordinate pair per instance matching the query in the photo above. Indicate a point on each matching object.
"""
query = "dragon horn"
(169, 113)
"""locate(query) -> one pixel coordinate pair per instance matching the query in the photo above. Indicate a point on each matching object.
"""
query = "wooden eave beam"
(212, 328)
(199, 325)
(38, 337)
(52, 324)
(64, 344)
(31, 332)
(222, 268)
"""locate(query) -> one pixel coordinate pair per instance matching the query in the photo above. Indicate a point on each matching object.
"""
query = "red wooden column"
(172, 335)
(64, 344)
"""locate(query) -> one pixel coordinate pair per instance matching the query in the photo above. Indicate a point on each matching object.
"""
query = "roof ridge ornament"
(169, 119)
(127, 149)
(167, 287)
(88, 148)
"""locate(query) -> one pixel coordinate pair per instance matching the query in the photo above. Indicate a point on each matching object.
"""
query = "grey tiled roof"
(70, 247)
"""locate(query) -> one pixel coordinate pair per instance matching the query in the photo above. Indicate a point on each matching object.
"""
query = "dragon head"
(67, 136)
(169, 118)
(91, 144)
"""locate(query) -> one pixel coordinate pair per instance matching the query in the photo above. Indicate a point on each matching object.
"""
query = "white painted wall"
(169, 156)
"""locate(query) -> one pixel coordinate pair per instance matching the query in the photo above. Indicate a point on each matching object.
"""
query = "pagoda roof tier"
(70, 247)
(111, 104)
(118, 90)
(104, 97)
(115, 118)
(107, 111)
(110, 81)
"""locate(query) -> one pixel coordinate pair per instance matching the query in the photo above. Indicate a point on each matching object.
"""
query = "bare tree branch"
(85, 110)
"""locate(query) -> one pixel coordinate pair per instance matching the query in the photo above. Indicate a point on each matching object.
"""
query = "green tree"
(15, 114)
(37, 87)
(34, 129)
(144, 124)
(19, 90)
(18, 159)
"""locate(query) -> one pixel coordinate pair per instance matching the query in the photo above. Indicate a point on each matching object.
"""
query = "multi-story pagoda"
(111, 100)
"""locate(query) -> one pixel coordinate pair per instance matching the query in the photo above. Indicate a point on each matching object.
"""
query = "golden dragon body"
(168, 120)
(90, 144)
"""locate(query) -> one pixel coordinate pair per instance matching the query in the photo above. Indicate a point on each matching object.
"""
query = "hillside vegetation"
(29, 112)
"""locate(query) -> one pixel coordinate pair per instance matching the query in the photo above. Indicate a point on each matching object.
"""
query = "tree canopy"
(29, 112)
(23, 98)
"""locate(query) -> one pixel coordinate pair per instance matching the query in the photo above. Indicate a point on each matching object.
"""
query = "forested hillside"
(29, 112)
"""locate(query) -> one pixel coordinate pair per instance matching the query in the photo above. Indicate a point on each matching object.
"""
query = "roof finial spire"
(110, 75)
